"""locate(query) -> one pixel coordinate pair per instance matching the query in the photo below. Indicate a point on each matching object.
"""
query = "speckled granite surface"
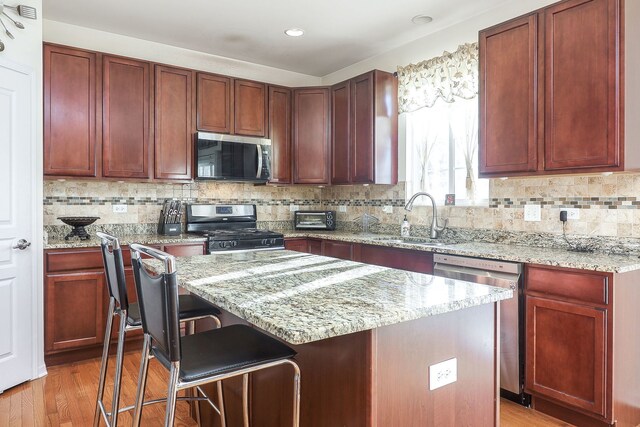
(146, 239)
(507, 252)
(302, 298)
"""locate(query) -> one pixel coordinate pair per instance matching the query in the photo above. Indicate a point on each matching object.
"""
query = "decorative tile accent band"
(151, 201)
(569, 202)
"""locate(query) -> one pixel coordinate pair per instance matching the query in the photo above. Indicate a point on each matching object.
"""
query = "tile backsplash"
(609, 205)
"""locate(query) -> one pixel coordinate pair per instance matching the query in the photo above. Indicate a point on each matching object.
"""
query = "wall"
(87, 38)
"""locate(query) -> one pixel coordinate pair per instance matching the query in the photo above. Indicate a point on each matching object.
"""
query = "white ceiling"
(337, 33)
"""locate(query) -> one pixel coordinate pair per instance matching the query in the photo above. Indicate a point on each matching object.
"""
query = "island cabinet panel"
(280, 134)
(214, 103)
(365, 130)
(173, 123)
(311, 136)
(71, 121)
(403, 259)
(126, 118)
(508, 97)
(380, 377)
(402, 396)
(250, 108)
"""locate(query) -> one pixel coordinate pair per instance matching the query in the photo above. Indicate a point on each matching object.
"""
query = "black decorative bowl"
(78, 223)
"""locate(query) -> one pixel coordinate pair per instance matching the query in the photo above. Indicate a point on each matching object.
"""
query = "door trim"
(38, 368)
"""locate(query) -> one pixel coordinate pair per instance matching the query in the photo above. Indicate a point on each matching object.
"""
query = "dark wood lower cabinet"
(76, 300)
(582, 352)
(342, 250)
(402, 259)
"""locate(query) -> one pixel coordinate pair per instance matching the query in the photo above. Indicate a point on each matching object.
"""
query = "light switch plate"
(119, 208)
(387, 209)
(532, 213)
(443, 373)
(293, 208)
(342, 208)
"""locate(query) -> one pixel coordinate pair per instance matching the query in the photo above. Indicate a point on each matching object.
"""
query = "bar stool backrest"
(114, 269)
(158, 300)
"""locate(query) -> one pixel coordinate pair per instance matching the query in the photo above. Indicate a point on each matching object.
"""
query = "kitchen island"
(366, 337)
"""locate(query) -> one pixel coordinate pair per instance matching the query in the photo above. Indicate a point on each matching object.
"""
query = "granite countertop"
(302, 298)
(507, 252)
(145, 239)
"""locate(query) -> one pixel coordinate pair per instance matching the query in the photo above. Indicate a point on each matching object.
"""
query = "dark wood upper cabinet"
(280, 134)
(126, 118)
(508, 137)
(250, 108)
(551, 91)
(70, 119)
(215, 103)
(311, 144)
(365, 130)
(173, 123)
(341, 133)
(583, 114)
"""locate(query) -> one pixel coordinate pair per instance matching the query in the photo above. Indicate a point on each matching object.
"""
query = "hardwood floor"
(66, 397)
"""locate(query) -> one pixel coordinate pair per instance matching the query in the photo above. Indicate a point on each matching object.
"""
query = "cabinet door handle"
(22, 244)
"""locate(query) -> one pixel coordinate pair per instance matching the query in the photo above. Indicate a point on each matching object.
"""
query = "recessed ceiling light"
(294, 32)
(421, 19)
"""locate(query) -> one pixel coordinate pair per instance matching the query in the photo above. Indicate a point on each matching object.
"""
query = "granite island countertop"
(126, 239)
(507, 252)
(301, 298)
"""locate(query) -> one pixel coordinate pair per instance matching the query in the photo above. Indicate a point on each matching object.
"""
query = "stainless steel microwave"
(232, 157)
(315, 220)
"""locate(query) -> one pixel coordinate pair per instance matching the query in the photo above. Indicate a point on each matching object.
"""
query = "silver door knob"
(22, 245)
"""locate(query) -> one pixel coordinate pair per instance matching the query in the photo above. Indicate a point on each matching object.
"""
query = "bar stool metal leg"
(104, 361)
(172, 395)
(142, 380)
(115, 403)
(296, 393)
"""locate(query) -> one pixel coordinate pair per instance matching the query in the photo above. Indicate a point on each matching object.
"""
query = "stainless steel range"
(231, 228)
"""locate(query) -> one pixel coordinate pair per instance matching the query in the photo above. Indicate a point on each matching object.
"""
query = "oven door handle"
(259, 173)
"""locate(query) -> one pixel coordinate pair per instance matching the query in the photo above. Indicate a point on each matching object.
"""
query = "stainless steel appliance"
(232, 157)
(502, 274)
(231, 228)
(314, 220)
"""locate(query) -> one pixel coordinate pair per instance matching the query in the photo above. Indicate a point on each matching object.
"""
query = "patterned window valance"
(447, 76)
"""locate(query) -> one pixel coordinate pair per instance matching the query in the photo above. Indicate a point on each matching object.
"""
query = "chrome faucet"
(435, 229)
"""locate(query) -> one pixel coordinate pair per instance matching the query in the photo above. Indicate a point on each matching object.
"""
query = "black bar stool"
(191, 308)
(202, 358)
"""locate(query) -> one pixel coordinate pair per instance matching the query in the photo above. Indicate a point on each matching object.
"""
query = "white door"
(16, 213)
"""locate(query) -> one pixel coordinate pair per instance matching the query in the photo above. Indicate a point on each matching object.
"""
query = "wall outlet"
(387, 209)
(342, 208)
(119, 208)
(572, 213)
(293, 208)
(443, 373)
(532, 213)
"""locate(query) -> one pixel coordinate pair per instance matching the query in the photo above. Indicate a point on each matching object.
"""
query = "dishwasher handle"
(491, 278)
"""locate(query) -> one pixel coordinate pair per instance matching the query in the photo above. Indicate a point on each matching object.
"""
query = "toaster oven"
(315, 220)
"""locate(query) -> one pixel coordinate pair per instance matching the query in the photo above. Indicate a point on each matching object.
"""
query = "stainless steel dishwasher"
(502, 274)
